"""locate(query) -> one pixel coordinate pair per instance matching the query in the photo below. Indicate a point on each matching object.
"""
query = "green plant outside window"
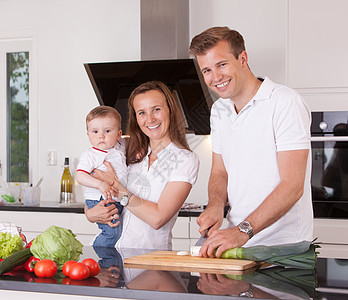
(18, 116)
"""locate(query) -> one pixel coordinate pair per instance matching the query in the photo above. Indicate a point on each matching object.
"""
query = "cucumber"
(14, 260)
(8, 198)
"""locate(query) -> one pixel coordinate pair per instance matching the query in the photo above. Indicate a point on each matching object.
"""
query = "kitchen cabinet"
(186, 233)
(185, 230)
(34, 223)
(317, 44)
(332, 234)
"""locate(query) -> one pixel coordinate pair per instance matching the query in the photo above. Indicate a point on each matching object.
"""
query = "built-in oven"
(329, 139)
(330, 164)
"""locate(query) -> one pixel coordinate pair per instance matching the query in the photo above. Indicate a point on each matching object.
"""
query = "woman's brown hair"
(138, 142)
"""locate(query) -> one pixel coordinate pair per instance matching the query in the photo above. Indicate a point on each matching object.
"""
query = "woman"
(161, 170)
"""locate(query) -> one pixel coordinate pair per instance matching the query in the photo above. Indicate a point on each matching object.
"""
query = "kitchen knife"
(202, 239)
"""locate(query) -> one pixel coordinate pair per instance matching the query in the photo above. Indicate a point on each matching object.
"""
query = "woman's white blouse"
(173, 164)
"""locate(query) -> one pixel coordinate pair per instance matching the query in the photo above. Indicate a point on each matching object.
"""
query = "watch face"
(124, 201)
(244, 226)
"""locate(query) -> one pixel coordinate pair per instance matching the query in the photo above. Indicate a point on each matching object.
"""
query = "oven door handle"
(329, 138)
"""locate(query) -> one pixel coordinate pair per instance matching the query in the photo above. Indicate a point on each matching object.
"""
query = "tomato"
(79, 271)
(92, 265)
(45, 268)
(46, 280)
(67, 265)
(92, 281)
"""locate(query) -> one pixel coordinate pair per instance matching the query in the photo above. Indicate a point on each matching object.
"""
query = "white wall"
(67, 34)
(302, 44)
(263, 25)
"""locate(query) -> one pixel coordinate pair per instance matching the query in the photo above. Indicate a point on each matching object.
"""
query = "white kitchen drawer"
(36, 221)
(181, 228)
(80, 225)
(333, 251)
(194, 233)
(181, 244)
(85, 239)
(194, 228)
(331, 231)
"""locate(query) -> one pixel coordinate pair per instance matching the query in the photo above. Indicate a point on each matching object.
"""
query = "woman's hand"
(102, 213)
(109, 277)
(110, 177)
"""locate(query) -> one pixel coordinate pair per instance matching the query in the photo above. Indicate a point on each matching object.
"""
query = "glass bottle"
(66, 184)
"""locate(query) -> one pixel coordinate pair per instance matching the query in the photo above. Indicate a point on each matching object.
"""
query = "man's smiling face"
(222, 72)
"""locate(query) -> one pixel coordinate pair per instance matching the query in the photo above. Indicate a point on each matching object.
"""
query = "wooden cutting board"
(169, 260)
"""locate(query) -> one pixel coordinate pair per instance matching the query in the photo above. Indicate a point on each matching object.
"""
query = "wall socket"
(51, 158)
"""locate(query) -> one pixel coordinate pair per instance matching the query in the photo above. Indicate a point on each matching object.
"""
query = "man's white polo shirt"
(276, 119)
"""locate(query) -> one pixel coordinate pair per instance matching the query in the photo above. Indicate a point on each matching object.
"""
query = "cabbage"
(9, 244)
(58, 244)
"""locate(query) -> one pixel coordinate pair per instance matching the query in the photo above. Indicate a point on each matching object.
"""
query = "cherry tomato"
(79, 271)
(92, 265)
(45, 268)
(67, 265)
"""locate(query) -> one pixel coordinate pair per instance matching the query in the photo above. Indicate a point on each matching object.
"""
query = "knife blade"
(202, 239)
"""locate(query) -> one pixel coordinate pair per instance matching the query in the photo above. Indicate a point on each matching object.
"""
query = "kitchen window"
(17, 118)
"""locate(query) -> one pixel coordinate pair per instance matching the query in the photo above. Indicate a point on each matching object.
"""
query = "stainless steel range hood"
(164, 57)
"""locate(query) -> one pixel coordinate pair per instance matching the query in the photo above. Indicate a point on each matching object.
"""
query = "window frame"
(8, 44)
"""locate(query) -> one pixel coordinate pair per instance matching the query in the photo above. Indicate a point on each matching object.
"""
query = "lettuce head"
(9, 244)
(58, 244)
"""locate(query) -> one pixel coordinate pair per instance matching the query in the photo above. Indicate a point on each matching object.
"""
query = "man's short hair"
(206, 40)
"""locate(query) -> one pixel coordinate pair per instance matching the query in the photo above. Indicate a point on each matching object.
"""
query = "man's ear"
(244, 58)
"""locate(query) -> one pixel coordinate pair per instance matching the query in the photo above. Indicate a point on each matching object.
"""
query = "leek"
(302, 255)
(300, 283)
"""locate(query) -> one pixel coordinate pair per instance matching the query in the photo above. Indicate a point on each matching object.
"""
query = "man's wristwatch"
(125, 199)
(249, 293)
(246, 228)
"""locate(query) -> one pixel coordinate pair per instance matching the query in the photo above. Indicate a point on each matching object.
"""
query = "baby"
(104, 133)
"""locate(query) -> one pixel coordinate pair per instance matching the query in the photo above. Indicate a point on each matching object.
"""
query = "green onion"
(302, 255)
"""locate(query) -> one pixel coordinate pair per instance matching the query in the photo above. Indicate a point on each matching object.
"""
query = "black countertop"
(328, 281)
(49, 206)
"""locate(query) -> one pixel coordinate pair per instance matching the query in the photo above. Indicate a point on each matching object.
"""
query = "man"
(260, 141)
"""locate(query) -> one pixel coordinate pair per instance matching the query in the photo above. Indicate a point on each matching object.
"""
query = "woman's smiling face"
(153, 116)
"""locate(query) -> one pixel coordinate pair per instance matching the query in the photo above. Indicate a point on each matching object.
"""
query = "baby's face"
(103, 133)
